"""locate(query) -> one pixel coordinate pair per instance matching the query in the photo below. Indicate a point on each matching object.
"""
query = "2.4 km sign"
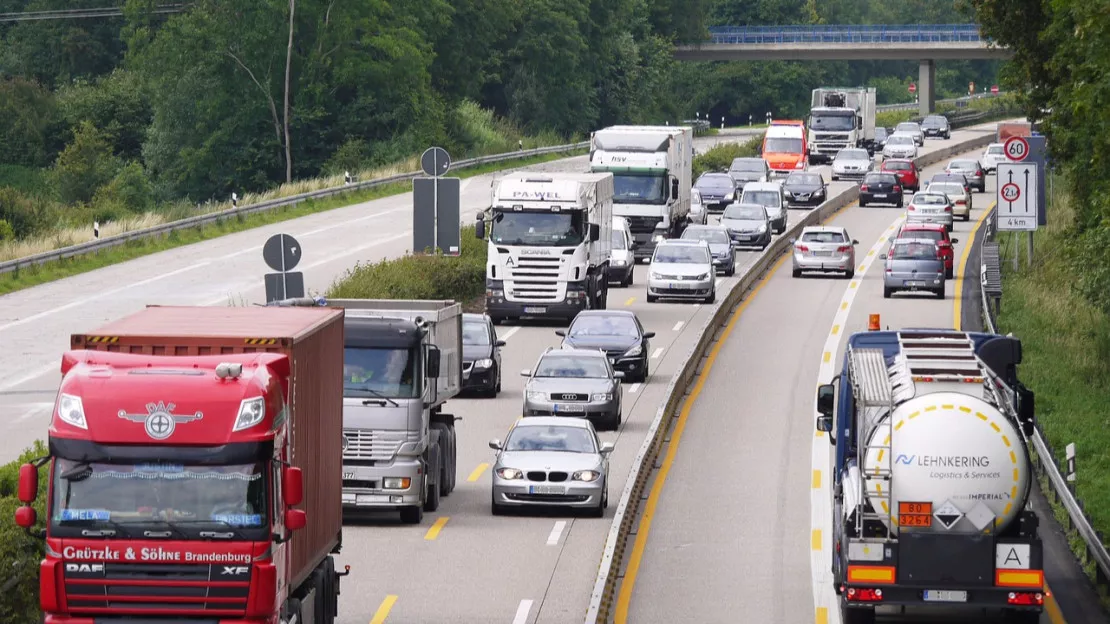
(1017, 196)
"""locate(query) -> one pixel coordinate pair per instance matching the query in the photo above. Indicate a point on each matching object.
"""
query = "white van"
(771, 196)
(622, 261)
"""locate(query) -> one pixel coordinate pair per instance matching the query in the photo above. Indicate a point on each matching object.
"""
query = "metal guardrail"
(94, 246)
(914, 105)
(991, 292)
(610, 569)
(863, 33)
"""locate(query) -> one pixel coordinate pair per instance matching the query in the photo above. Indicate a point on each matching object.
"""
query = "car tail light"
(863, 187)
(844, 248)
(897, 189)
(978, 172)
(803, 248)
(948, 208)
(910, 207)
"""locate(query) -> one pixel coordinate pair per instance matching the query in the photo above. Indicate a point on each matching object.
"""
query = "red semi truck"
(195, 473)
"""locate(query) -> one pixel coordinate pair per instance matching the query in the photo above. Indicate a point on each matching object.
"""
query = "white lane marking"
(634, 388)
(655, 354)
(556, 532)
(824, 597)
(717, 283)
(56, 366)
(34, 409)
(697, 306)
(522, 612)
(678, 325)
(509, 333)
(101, 295)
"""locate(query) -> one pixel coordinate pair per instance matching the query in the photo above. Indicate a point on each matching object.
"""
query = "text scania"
(945, 461)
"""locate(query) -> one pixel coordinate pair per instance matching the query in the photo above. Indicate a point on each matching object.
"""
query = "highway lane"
(736, 505)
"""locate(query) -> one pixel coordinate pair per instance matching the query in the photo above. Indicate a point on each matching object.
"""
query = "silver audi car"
(551, 461)
(574, 382)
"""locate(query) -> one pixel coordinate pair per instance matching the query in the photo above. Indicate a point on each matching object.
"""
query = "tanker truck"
(931, 476)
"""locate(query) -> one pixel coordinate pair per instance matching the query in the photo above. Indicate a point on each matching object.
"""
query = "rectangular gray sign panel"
(426, 194)
(284, 285)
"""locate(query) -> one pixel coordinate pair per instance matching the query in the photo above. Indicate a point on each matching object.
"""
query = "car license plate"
(575, 409)
(680, 285)
(535, 310)
(371, 498)
(939, 595)
(879, 195)
(914, 283)
(347, 476)
(744, 238)
(822, 253)
(547, 489)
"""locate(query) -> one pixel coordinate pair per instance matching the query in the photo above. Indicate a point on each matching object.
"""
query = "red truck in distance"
(180, 447)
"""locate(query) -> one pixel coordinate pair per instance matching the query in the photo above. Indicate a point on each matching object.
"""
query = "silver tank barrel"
(306, 302)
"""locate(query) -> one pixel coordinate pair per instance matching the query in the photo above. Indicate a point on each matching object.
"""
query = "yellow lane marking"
(822, 615)
(1055, 615)
(816, 479)
(624, 599)
(843, 305)
(630, 301)
(815, 539)
(835, 330)
(433, 531)
(384, 609)
(827, 356)
(958, 292)
(477, 474)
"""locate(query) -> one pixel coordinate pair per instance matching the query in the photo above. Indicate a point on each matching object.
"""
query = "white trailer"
(550, 237)
(653, 170)
(840, 117)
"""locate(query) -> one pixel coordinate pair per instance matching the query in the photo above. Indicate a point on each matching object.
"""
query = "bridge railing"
(865, 33)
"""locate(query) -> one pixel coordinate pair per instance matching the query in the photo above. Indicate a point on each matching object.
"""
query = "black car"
(616, 332)
(936, 126)
(880, 188)
(481, 355)
(717, 190)
(803, 188)
(881, 135)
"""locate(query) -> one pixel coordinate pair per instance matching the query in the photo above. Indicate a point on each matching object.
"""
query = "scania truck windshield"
(639, 189)
(380, 373)
(540, 229)
(165, 501)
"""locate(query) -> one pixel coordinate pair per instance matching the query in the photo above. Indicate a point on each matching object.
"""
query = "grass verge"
(1066, 361)
(51, 271)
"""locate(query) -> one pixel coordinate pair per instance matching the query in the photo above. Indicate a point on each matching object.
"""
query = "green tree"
(84, 165)
(117, 104)
(28, 123)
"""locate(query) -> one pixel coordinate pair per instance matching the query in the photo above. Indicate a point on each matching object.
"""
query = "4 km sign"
(1017, 196)
(1016, 148)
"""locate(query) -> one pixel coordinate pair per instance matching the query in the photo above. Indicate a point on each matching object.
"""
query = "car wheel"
(599, 511)
(494, 508)
(862, 204)
(731, 269)
(940, 292)
(712, 298)
(850, 274)
(948, 273)
(887, 292)
(651, 298)
(796, 273)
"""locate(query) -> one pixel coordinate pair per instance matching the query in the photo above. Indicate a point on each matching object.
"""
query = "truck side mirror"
(292, 486)
(25, 517)
(1026, 410)
(28, 483)
(595, 232)
(295, 519)
(674, 189)
(826, 395)
(824, 423)
(433, 361)
(480, 228)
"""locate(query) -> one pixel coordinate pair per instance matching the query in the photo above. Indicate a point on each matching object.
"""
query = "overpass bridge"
(925, 43)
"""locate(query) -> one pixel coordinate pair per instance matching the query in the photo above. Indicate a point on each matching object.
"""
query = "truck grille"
(374, 445)
(821, 138)
(210, 590)
(535, 278)
(643, 225)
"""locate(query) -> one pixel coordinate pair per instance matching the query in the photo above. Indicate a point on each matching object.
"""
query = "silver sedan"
(551, 461)
(579, 383)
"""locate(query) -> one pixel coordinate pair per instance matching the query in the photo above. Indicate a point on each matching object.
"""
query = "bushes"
(461, 278)
(720, 157)
(20, 553)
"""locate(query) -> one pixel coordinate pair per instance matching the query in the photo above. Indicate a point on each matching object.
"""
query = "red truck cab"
(179, 453)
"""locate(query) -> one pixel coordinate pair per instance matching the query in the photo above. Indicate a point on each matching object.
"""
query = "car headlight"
(656, 276)
(72, 411)
(535, 396)
(586, 475)
(819, 191)
(634, 351)
(762, 227)
(602, 396)
(728, 196)
(703, 276)
(483, 363)
(789, 194)
(658, 238)
(510, 474)
(251, 412)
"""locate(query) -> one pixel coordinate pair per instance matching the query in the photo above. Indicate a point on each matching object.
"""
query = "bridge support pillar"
(926, 95)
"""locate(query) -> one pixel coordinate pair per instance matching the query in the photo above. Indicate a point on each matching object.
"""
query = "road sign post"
(435, 197)
(282, 253)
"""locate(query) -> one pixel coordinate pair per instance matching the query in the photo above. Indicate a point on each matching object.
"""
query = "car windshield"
(936, 235)
(604, 325)
(707, 235)
(142, 493)
(717, 184)
(947, 188)
(823, 237)
(376, 372)
(745, 212)
(852, 154)
(748, 165)
(475, 333)
(969, 165)
(899, 140)
(574, 366)
(995, 149)
(930, 199)
(933, 122)
(551, 438)
(772, 199)
(914, 251)
(542, 229)
(619, 242)
(804, 179)
(881, 133)
(906, 127)
(894, 165)
(681, 254)
(880, 179)
(783, 145)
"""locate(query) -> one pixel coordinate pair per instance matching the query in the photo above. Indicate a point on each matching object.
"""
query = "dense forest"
(101, 118)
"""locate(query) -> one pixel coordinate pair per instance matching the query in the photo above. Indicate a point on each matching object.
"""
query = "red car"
(936, 232)
(906, 171)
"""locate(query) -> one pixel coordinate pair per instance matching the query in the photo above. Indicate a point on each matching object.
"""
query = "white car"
(993, 155)
(622, 257)
(852, 162)
(912, 128)
(961, 199)
(900, 145)
(682, 269)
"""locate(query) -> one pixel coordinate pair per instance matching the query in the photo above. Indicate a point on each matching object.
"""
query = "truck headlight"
(801, 165)
(483, 363)
(586, 475)
(510, 474)
(602, 396)
(71, 410)
(396, 483)
(251, 412)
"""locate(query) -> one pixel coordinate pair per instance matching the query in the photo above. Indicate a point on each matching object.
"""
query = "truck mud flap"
(959, 560)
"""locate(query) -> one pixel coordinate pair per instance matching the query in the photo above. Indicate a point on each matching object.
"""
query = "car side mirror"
(618, 375)
(882, 256)
(955, 240)
(649, 334)
(295, 519)
(855, 242)
(480, 228)
(826, 398)
(607, 447)
(499, 343)
(495, 444)
(526, 373)
(561, 332)
(793, 240)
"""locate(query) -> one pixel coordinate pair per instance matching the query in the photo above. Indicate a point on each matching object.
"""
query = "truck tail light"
(1033, 599)
(864, 594)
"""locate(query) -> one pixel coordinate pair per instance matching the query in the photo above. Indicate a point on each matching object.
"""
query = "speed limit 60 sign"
(1016, 148)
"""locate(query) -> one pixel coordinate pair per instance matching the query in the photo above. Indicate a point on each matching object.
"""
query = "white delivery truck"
(653, 170)
(840, 117)
(550, 236)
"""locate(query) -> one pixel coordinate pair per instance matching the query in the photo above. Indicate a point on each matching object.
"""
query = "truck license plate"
(547, 489)
(940, 595)
(347, 476)
(371, 498)
(535, 310)
(578, 409)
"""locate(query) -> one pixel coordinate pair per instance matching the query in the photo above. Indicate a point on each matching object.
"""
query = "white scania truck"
(550, 237)
(931, 476)
(840, 117)
(653, 170)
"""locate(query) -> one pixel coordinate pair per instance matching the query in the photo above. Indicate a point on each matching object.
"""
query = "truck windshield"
(181, 498)
(639, 189)
(783, 145)
(376, 373)
(542, 229)
(826, 122)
